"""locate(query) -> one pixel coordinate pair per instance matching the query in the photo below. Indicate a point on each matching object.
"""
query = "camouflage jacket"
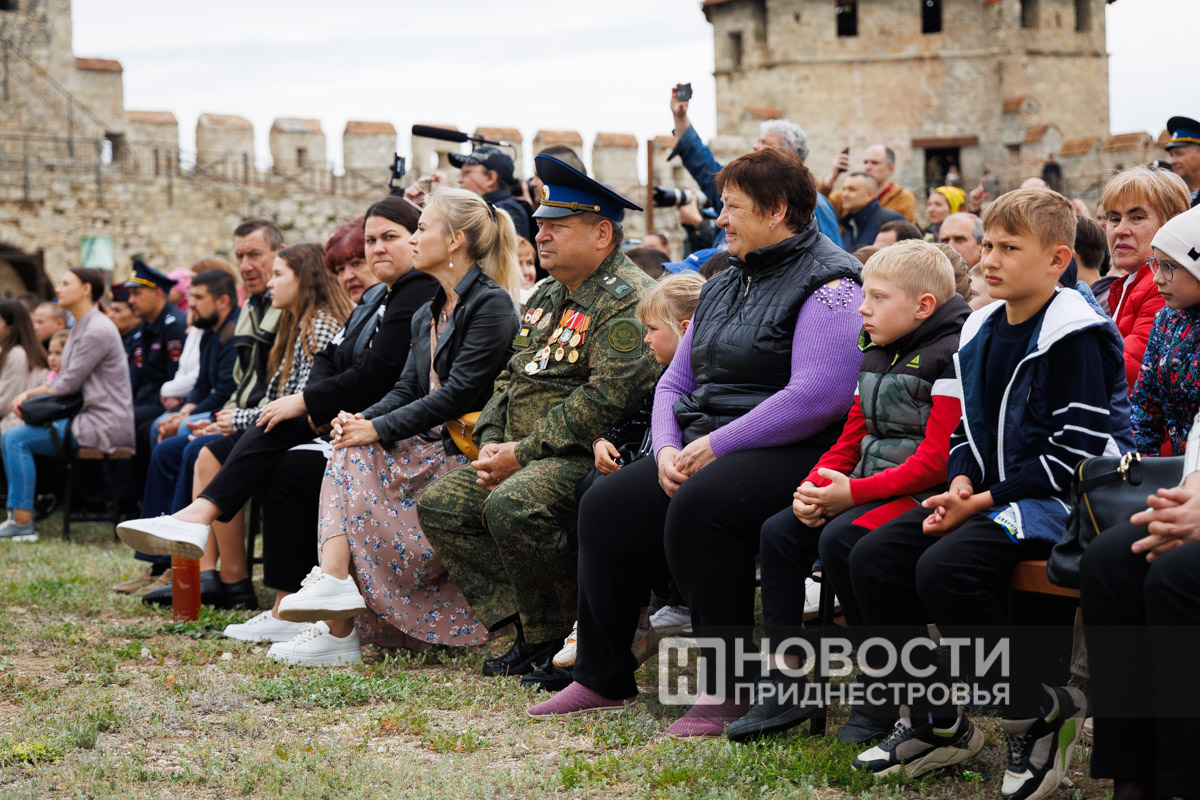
(580, 366)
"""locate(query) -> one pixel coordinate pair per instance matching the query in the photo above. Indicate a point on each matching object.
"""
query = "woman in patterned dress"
(375, 562)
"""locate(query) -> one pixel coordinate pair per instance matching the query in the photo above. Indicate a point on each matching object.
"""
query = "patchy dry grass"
(101, 697)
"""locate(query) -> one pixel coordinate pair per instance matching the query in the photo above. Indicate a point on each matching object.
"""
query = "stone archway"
(21, 272)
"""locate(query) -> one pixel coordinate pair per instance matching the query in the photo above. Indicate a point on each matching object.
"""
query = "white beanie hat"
(1180, 240)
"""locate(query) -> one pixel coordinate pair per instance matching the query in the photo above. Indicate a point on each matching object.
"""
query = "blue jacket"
(1067, 400)
(699, 162)
(215, 383)
(860, 228)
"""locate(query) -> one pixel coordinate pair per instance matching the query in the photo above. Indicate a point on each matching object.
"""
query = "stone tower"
(967, 80)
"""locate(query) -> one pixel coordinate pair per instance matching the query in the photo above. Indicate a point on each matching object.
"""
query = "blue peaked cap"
(567, 191)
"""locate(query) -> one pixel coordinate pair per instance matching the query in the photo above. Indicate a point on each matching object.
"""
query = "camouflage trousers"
(507, 548)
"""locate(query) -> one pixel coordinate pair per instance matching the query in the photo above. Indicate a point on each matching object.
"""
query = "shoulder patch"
(616, 286)
(624, 337)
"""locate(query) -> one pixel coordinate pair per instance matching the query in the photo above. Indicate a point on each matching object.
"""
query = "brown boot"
(136, 584)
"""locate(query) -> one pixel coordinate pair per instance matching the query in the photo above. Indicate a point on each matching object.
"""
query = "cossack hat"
(567, 191)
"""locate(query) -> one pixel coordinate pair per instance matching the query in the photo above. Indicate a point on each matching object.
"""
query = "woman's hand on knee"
(669, 478)
(695, 457)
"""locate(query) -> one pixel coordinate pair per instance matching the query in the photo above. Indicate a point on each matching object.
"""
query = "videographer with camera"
(489, 173)
(699, 162)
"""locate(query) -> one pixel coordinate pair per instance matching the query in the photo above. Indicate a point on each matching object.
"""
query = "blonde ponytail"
(491, 238)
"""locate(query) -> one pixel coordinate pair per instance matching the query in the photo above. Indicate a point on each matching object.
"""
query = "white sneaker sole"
(152, 544)
(29, 537)
(323, 660)
(942, 757)
(262, 636)
(328, 609)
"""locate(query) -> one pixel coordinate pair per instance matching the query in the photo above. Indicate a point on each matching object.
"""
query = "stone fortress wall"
(1002, 84)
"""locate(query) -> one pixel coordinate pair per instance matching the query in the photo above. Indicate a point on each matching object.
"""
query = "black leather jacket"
(473, 348)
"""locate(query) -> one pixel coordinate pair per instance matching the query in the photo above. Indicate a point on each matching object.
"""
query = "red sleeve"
(846, 451)
(922, 470)
(1139, 334)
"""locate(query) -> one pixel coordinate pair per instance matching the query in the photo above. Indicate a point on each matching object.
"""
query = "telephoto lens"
(669, 196)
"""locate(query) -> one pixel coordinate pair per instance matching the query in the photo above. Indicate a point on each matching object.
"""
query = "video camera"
(669, 197)
(397, 175)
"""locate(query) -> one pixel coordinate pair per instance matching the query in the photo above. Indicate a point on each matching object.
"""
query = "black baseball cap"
(488, 158)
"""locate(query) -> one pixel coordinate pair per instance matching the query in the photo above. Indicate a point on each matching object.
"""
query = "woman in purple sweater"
(759, 388)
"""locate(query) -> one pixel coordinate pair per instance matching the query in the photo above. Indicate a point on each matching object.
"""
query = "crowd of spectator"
(448, 450)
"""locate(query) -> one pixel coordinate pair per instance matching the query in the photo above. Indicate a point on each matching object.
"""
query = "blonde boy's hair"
(671, 301)
(1148, 185)
(60, 336)
(1044, 214)
(915, 266)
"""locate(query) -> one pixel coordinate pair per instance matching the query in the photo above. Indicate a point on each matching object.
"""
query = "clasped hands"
(1172, 518)
(676, 466)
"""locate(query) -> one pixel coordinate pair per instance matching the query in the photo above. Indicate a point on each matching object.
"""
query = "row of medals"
(571, 331)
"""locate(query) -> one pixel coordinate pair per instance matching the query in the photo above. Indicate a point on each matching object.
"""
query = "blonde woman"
(375, 562)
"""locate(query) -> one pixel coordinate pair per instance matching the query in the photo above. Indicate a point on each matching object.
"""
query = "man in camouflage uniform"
(500, 524)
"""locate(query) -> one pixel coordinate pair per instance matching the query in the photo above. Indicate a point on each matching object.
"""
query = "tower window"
(302, 157)
(931, 16)
(1083, 15)
(1029, 13)
(847, 19)
(8, 5)
(735, 49)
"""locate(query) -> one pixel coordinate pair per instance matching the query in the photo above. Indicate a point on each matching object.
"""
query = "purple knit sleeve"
(825, 364)
(676, 381)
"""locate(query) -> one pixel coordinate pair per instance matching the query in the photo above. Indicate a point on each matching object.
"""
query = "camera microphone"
(430, 132)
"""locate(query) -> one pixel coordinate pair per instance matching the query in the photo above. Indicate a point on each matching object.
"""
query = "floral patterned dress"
(369, 494)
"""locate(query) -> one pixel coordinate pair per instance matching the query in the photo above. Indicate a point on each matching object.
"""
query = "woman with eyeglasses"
(1137, 203)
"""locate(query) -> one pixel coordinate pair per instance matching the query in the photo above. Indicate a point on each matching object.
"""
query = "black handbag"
(46, 408)
(1105, 492)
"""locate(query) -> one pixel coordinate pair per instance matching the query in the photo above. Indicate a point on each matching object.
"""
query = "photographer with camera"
(699, 162)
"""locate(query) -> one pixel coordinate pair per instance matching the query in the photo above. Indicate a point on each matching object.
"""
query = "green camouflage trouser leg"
(507, 549)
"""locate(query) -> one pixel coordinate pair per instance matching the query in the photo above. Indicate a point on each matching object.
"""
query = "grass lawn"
(103, 697)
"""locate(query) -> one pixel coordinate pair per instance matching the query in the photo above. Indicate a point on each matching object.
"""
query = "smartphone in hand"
(683, 92)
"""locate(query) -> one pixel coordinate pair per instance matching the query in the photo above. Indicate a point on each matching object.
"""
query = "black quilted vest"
(742, 329)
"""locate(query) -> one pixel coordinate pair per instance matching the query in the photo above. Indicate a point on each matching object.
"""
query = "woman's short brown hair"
(1162, 190)
(771, 177)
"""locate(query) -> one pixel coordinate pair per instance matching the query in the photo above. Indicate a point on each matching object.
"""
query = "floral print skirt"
(369, 494)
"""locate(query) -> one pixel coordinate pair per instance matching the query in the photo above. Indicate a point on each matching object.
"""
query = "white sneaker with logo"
(314, 645)
(566, 656)
(322, 596)
(264, 627)
(670, 620)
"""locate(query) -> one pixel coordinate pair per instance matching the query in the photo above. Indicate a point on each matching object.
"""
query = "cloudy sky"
(528, 64)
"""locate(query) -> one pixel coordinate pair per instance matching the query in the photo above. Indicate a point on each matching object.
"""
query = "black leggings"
(247, 460)
(707, 535)
(1140, 620)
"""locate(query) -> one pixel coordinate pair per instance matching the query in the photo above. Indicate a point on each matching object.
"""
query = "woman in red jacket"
(1137, 203)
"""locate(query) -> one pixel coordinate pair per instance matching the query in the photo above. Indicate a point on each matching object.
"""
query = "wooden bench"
(112, 505)
(1027, 576)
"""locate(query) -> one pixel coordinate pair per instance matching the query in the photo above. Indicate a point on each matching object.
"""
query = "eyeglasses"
(1165, 267)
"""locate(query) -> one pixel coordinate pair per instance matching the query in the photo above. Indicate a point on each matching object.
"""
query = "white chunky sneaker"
(566, 656)
(264, 627)
(670, 620)
(322, 596)
(314, 645)
(164, 536)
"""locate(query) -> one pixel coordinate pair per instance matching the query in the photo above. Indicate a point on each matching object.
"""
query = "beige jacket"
(15, 378)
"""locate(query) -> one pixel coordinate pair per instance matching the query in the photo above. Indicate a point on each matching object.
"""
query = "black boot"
(549, 678)
(862, 728)
(778, 706)
(236, 595)
(523, 657)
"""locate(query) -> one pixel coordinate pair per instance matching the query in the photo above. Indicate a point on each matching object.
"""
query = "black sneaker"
(238, 595)
(1040, 749)
(210, 592)
(921, 748)
(862, 728)
(778, 706)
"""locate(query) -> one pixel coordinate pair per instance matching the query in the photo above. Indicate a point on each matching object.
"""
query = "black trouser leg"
(787, 549)
(963, 579)
(711, 540)
(291, 503)
(251, 461)
(620, 551)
